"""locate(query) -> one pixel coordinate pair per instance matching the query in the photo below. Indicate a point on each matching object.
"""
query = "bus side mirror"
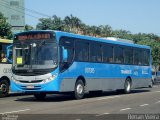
(9, 53)
(65, 54)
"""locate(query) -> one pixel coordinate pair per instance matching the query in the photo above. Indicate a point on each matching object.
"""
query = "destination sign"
(34, 36)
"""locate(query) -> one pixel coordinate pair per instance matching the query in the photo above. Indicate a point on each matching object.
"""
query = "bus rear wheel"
(127, 86)
(79, 90)
(4, 88)
(40, 96)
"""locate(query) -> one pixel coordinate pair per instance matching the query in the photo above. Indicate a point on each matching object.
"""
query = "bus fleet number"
(90, 70)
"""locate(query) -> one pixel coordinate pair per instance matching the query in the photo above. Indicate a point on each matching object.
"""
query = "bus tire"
(151, 85)
(79, 90)
(153, 81)
(127, 86)
(40, 96)
(4, 88)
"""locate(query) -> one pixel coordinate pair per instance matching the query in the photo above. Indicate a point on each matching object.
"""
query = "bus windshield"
(37, 55)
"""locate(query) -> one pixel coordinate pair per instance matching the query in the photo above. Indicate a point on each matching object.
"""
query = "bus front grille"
(34, 81)
(35, 88)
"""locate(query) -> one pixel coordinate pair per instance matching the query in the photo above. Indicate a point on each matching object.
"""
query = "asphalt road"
(113, 105)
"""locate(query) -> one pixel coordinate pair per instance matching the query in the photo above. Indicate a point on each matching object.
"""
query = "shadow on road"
(62, 97)
(49, 98)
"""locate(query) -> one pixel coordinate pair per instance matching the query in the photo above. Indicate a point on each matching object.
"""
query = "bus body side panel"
(5, 70)
(104, 77)
(98, 76)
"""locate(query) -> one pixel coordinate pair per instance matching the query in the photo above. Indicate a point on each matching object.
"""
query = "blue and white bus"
(60, 62)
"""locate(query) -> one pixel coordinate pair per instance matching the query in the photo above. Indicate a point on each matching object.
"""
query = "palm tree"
(73, 23)
(95, 31)
(67, 22)
(83, 28)
(76, 23)
(45, 23)
(57, 23)
(106, 31)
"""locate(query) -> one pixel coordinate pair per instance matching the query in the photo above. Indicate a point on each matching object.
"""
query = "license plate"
(30, 86)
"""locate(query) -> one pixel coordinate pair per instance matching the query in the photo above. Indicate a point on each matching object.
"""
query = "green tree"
(106, 31)
(155, 49)
(5, 28)
(28, 27)
(75, 25)
(57, 23)
(94, 31)
(72, 24)
(44, 24)
(123, 34)
(54, 23)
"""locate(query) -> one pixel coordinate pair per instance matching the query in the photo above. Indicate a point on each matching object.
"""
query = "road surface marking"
(15, 111)
(125, 109)
(156, 91)
(144, 105)
(105, 98)
(158, 102)
(102, 114)
(155, 86)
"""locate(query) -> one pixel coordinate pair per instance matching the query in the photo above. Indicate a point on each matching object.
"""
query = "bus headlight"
(50, 78)
(14, 80)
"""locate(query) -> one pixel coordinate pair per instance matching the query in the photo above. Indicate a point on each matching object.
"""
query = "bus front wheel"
(4, 88)
(40, 96)
(79, 90)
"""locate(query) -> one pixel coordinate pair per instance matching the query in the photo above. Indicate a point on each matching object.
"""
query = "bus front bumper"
(52, 86)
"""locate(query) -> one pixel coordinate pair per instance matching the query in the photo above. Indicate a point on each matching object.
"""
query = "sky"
(131, 15)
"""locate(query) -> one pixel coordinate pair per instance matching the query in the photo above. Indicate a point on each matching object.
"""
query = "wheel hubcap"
(128, 86)
(79, 89)
(3, 88)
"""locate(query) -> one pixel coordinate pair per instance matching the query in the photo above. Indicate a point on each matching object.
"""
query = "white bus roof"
(6, 41)
(119, 40)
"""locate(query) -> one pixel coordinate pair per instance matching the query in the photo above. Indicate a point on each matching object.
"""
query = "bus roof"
(6, 41)
(106, 40)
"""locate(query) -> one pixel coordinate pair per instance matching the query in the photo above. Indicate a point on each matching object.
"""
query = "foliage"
(54, 23)
(28, 27)
(5, 28)
(75, 25)
(155, 49)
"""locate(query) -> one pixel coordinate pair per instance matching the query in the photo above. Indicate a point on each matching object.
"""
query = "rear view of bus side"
(59, 62)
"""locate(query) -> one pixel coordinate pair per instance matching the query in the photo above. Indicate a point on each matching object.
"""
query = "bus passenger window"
(128, 56)
(118, 55)
(81, 51)
(110, 60)
(3, 58)
(82, 55)
(68, 44)
(138, 57)
(85, 55)
(107, 53)
(95, 52)
(79, 56)
(146, 57)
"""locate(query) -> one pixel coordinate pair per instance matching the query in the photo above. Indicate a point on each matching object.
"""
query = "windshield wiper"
(42, 43)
